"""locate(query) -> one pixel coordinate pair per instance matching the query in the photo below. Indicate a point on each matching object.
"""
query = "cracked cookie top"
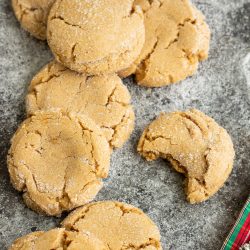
(57, 161)
(177, 38)
(102, 36)
(195, 145)
(119, 225)
(103, 98)
(33, 15)
(58, 238)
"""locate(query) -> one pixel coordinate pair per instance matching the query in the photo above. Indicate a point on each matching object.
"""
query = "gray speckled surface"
(221, 89)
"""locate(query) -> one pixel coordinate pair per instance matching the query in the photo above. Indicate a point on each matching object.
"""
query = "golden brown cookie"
(177, 38)
(119, 225)
(60, 239)
(57, 161)
(33, 14)
(195, 145)
(103, 98)
(102, 36)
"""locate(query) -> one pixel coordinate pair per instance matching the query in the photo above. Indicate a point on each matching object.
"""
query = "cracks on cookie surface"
(26, 192)
(33, 89)
(131, 12)
(72, 227)
(111, 95)
(153, 153)
(109, 62)
(153, 138)
(125, 118)
(49, 74)
(32, 18)
(97, 165)
(191, 118)
(21, 180)
(83, 212)
(126, 121)
(126, 210)
(60, 239)
(64, 197)
(73, 55)
(149, 243)
(65, 241)
(87, 130)
(38, 186)
(60, 17)
(144, 65)
(66, 22)
(25, 10)
(120, 212)
(11, 164)
(31, 238)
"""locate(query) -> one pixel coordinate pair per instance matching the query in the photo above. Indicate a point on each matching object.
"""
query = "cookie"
(103, 98)
(119, 225)
(58, 161)
(58, 238)
(177, 38)
(33, 15)
(195, 145)
(102, 36)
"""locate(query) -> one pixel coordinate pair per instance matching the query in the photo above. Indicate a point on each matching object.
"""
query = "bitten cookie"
(119, 225)
(58, 238)
(102, 36)
(103, 98)
(177, 38)
(195, 145)
(57, 161)
(33, 15)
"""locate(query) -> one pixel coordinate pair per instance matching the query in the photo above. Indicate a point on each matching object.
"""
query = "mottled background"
(221, 89)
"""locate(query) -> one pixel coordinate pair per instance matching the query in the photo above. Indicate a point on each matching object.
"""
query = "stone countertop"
(221, 88)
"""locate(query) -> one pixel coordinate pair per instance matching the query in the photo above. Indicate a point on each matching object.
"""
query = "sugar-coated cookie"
(103, 98)
(102, 36)
(195, 145)
(177, 38)
(58, 161)
(33, 14)
(60, 239)
(119, 225)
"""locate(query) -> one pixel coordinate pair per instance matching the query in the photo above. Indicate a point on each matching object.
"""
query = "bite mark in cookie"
(195, 145)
